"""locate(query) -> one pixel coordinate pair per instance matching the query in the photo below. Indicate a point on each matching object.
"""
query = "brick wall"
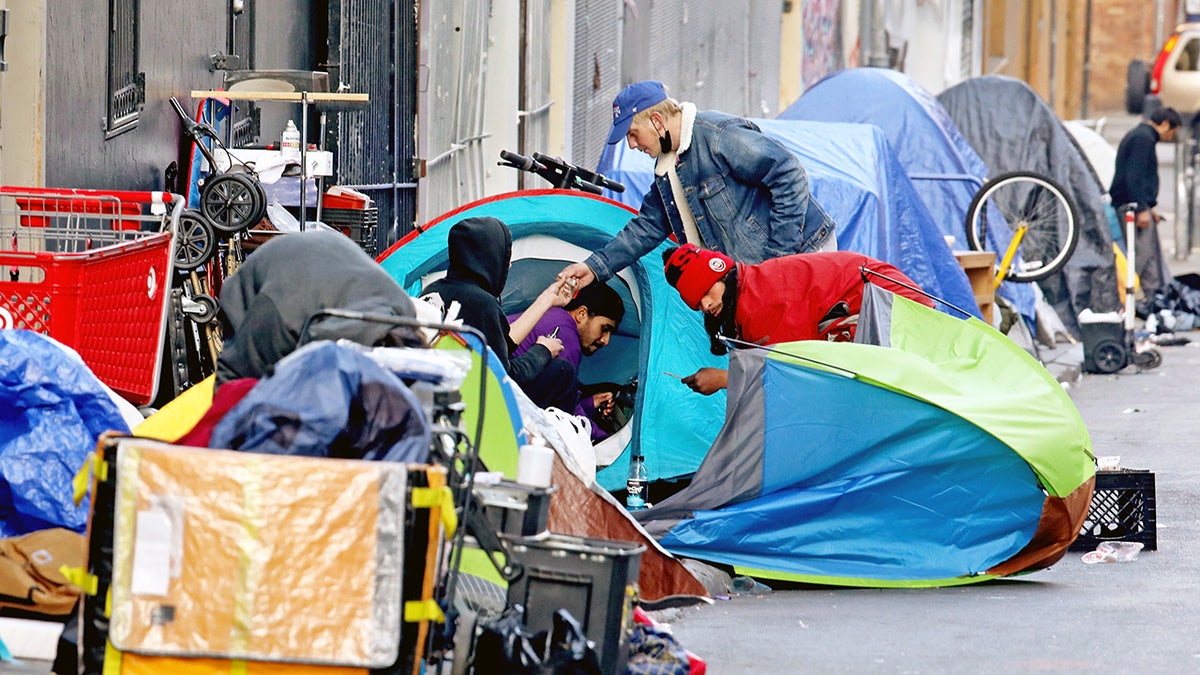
(1121, 30)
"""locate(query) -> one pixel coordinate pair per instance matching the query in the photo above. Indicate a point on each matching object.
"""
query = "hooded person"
(269, 307)
(480, 252)
(810, 296)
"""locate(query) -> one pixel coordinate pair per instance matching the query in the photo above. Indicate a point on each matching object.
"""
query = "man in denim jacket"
(719, 183)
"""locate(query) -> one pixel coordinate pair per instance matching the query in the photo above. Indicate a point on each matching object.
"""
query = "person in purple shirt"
(584, 326)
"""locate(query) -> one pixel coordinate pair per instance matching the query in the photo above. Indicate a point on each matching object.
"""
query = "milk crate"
(1122, 510)
(358, 224)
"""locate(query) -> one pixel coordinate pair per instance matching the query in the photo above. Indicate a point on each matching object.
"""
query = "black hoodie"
(480, 251)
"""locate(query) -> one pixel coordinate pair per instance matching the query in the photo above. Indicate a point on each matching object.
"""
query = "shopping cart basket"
(92, 269)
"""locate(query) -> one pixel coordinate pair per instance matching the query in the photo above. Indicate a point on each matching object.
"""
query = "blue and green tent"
(671, 426)
(942, 454)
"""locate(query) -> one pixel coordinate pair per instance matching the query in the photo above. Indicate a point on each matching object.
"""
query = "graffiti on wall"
(822, 39)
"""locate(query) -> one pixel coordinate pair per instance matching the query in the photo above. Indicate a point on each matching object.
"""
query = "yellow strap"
(238, 667)
(428, 498)
(78, 577)
(112, 659)
(82, 479)
(423, 610)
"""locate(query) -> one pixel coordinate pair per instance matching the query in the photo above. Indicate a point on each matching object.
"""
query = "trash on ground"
(1113, 551)
(748, 586)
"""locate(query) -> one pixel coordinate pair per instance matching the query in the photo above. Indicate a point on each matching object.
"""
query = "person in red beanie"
(806, 296)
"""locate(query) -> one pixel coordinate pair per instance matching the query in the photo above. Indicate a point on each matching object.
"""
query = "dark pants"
(556, 386)
(1149, 264)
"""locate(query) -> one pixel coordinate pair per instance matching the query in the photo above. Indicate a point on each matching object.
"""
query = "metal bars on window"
(126, 86)
(244, 120)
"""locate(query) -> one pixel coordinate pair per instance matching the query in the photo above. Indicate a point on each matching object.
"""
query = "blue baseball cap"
(632, 100)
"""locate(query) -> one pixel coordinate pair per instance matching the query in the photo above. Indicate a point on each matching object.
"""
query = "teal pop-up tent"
(671, 426)
(949, 457)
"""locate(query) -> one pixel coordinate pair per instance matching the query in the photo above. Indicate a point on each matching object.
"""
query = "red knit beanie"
(693, 271)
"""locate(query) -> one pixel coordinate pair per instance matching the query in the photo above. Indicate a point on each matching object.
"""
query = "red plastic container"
(343, 201)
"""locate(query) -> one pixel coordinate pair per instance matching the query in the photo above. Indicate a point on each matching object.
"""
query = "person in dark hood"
(283, 284)
(480, 251)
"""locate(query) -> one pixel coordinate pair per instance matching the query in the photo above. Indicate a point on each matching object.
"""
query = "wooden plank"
(980, 267)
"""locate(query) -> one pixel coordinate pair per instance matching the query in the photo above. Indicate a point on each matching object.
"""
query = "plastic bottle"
(535, 463)
(636, 484)
(289, 141)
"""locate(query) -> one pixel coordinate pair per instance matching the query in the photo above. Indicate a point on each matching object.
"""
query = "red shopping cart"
(92, 269)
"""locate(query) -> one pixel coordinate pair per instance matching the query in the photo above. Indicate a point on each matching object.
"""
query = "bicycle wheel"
(1023, 198)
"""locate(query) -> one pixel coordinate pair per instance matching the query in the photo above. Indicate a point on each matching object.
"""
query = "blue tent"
(856, 178)
(672, 426)
(945, 170)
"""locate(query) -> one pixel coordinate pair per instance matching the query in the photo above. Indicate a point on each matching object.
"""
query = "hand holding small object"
(552, 343)
(580, 273)
(707, 380)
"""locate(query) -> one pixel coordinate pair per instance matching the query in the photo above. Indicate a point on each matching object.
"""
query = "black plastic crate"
(1122, 510)
(514, 509)
(358, 224)
(593, 579)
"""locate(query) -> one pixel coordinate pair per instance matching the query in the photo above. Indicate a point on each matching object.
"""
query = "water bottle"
(535, 463)
(289, 141)
(636, 484)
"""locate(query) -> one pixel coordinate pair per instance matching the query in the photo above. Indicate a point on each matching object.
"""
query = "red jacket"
(797, 297)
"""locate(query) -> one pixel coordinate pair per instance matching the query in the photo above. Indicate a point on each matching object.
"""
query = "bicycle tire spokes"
(1031, 201)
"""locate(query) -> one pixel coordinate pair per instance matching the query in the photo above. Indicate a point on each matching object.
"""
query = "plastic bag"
(653, 650)
(505, 647)
(1113, 551)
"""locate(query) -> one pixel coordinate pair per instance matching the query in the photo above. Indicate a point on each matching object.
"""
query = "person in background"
(584, 326)
(1136, 182)
(480, 251)
(719, 183)
(811, 296)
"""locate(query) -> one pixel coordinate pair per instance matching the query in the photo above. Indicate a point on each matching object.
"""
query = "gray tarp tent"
(1012, 129)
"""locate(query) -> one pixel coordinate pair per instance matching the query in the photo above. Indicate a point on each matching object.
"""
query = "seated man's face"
(594, 332)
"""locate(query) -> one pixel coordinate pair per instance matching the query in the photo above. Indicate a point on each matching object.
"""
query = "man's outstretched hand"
(580, 272)
(707, 380)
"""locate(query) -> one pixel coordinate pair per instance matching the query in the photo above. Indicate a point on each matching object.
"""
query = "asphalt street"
(1132, 617)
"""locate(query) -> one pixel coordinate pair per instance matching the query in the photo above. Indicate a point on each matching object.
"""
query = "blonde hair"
(668, 107)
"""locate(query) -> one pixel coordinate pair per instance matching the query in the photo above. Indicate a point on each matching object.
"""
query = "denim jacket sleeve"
(649, 228)
(755, 159)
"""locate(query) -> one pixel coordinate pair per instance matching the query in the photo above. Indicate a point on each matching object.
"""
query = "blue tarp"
(943, 167)
(52, 412)
(326, 400)
(856, 178)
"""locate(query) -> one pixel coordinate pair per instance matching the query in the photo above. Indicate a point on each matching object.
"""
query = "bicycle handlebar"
(560, 173)
(584, 174)
(520, 162)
